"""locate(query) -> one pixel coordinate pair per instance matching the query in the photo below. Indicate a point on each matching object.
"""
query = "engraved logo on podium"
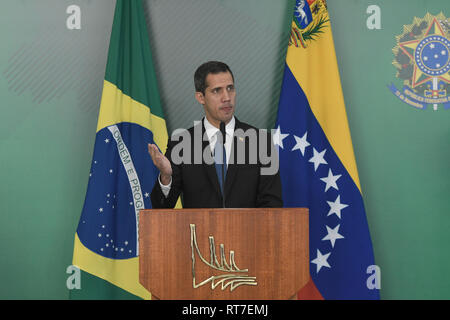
(233, 276)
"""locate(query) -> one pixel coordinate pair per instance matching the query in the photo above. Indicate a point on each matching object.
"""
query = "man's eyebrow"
(221, 87)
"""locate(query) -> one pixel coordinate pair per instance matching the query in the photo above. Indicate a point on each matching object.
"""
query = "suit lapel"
(231, 174)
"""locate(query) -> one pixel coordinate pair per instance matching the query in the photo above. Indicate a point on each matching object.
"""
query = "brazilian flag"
(122, 174)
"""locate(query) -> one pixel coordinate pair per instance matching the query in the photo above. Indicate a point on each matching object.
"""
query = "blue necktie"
(220, 160)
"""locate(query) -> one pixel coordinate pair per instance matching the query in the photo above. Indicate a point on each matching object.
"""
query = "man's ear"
(200, 97)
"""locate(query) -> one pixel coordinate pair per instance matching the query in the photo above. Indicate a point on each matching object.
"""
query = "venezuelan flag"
(317, 164)
(122, 173)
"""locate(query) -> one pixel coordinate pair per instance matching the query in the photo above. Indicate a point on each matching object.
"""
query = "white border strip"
(133, 178)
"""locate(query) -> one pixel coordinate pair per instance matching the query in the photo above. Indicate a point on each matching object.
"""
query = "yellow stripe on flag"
(123, 273)
(117, 107)
(316, 70)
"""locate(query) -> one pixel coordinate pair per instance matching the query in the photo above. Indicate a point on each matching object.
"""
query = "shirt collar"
(211, 130)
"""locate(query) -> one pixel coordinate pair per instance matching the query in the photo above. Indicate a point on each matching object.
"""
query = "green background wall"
(51, 81)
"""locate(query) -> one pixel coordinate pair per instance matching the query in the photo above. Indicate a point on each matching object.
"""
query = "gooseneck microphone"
(222, 131)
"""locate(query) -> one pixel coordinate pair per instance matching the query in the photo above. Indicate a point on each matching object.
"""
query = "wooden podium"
(224, 254)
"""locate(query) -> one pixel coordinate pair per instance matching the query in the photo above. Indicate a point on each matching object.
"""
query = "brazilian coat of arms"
(422, 62)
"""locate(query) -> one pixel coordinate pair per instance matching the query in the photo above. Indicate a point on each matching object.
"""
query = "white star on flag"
(331, 180)
(333, 235)
(336, 207)
(278, 138)
(301, 143)
(146, 194)
(321, 260)
(107, 140)
(318, 159)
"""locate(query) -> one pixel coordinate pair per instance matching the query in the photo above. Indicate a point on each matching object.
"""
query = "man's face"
(219, 98)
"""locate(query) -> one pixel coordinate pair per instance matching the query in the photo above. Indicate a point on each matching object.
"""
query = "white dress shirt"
(211, 132)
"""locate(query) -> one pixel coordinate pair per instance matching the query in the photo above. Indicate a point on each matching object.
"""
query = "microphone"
(222, 131)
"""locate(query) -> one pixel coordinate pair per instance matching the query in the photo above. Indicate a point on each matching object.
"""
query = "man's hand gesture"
(162, 163)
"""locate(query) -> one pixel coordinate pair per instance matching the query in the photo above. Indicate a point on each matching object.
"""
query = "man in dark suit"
(209, 171)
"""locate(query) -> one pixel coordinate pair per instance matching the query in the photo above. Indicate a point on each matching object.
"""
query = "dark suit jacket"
(198, 184)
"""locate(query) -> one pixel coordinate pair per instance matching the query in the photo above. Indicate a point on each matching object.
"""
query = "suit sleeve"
(269, 187)
(159, 200)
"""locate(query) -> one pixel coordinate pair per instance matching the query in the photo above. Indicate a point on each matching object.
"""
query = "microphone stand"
(222, 131)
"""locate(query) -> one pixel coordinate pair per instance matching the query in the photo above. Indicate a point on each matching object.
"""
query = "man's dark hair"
(202, 72)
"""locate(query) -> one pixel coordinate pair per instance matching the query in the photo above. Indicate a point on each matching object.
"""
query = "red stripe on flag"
(309, 292)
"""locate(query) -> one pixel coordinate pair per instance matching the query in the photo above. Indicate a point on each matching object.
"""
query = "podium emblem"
(231, 275)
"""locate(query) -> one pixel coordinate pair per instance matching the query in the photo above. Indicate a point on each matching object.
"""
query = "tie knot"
(219, 137)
